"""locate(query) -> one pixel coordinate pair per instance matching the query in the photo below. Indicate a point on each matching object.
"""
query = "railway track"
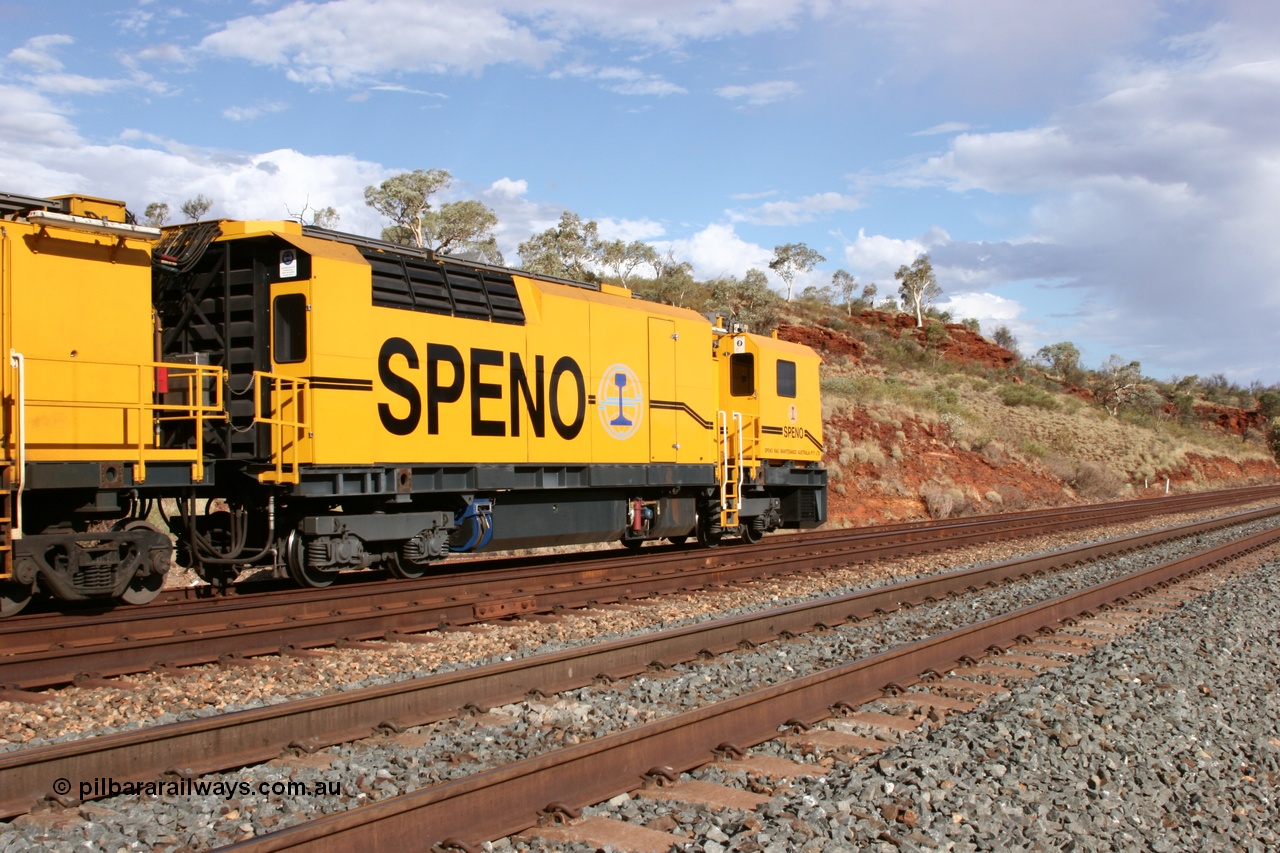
(51, 649)
(457, 815)
(244, 737)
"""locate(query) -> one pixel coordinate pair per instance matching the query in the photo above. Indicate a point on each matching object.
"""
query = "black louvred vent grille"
(419, 284)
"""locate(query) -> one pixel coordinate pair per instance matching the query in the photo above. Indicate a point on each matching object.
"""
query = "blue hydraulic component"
(479, 514)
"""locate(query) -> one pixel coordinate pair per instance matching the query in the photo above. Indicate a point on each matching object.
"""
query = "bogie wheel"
(13, 597)
(677, 540)
(750, 533)
(404, 568)
(302, 574)
(632, 544)
(144, 588)
(709, 531)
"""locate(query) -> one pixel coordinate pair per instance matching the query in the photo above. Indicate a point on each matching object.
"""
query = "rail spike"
(660, 776)
(557, 813)
(729, 750)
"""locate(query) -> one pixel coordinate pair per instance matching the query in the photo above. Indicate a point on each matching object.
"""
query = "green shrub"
(1033, 448)
(1028, 395)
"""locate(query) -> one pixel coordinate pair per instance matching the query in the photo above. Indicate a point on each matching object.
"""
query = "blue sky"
(1100, 171)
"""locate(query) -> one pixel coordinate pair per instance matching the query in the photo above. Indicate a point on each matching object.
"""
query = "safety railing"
(284, 409)
(60, 396)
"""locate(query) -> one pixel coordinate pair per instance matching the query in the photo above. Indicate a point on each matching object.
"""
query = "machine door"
(283, 395)
(664, 442)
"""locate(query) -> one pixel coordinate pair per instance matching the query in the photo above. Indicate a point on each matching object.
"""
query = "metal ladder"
(738, 446)
(6, 521)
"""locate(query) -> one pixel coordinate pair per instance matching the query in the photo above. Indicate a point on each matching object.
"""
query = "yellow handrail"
(196, 380)
(288, 415)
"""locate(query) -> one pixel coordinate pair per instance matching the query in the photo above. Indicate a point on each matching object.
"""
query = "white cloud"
(26, 115)
(1155, 201)
(996, 53)
(717, 250)
(991, 311)
(806, 209)
(759, 94)
(251, 112)
(984, 306)
(668, 23)
(875, 258)
(508, 187)
(624, 81)
(346, 41)
(946, 128)
(628, 230)
(37, 53)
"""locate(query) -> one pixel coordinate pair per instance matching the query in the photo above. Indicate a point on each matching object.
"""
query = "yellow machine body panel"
(774, 386)
(575, 384)
(84, 339)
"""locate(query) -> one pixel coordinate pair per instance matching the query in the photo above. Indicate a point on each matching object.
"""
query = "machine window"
(742, 374)
(786, 378)
(289, 316)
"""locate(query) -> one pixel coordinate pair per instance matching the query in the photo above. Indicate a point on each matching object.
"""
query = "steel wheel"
(13, 598)
(302, 574)
(709, 530)
(145, 587)
(403, 568)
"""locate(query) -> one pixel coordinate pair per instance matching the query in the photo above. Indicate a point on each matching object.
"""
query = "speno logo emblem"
(620, 401)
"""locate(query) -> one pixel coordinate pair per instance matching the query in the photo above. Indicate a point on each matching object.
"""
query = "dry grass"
(1093, 452)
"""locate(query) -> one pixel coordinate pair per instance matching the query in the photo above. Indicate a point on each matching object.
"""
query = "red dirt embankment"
(896, 469)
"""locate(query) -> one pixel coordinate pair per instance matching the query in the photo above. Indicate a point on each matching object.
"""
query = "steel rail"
(356, 594)
(502, 801)
(398, 611)
(260, 734)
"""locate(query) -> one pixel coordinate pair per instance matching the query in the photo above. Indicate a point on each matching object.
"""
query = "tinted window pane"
(742, 374)
(786, 378)
(290, 326)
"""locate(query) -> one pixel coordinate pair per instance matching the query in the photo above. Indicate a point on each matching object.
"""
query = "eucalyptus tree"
(322, 217)
(568, 249)
(845, 284)
(195, 208)
(462, 227)
(748, 300)
(1063, 359)
(405, 199)
(918, 286)
(792, 259)
(156, 214)
(623, 258)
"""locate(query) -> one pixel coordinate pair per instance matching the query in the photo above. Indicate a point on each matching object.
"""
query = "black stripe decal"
(816, 443)
(338, 383)
(677, 406)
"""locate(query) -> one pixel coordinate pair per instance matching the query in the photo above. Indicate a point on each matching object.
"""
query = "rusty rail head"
(259, 734)
(406, 608)
(505, 800)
